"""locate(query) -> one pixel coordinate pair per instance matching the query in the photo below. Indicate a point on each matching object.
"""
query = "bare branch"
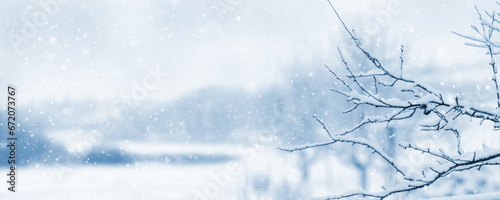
(402, 60)
(366, 144)
(338, 78)
(324, 128)
(400, 99)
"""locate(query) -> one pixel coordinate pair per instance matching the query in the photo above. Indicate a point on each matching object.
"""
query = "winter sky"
(97, 49)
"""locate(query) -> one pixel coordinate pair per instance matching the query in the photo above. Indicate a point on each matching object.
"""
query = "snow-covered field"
(250, 173)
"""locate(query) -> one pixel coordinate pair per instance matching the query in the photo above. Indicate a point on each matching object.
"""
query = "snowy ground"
(252, 173)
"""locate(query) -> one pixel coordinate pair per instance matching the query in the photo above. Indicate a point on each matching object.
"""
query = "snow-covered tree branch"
(398, 98)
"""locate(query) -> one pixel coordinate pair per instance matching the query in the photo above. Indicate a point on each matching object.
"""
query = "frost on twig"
(401, 99)
(486, 34)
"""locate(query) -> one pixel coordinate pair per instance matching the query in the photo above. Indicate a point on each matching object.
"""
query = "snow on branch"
(485, 40)
(400, 98)
(357, 141)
